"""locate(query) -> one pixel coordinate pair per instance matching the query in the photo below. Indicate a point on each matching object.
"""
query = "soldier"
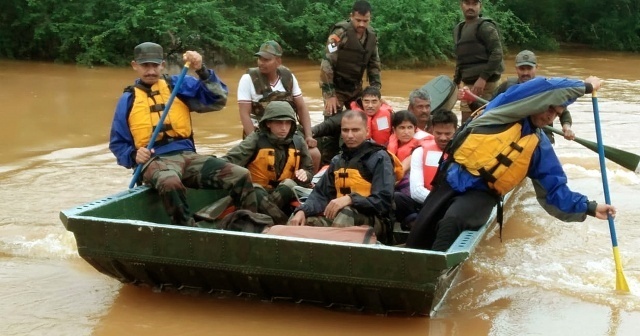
(357, 188)
(352, 50)
(526, 68)
(172, 164)
(268, 82)
(277, 158)
(479, 63)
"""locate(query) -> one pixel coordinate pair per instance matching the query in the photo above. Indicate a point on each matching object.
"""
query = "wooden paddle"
(626, 159)
(621, 282)
(158, 128)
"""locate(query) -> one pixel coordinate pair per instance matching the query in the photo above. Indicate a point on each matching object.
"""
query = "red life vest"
(431, 154)
(403, 151)
(379, 124)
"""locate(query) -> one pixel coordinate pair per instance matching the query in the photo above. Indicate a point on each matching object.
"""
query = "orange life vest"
(379, 125)
(402, 151)
(431, 154)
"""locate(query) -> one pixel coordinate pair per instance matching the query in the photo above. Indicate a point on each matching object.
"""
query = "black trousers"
(446, 213)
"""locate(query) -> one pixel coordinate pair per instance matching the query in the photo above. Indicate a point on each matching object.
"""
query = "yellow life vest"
(148, 105)
(354, 177)
(262, 168)
(502, 157)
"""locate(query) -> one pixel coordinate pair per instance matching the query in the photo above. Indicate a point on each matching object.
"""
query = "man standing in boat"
(357, 188)
(493, 154)
(271, 81)
(351, 50)
(278, 159)
(479, 63)
(172, 164)
(526, 68)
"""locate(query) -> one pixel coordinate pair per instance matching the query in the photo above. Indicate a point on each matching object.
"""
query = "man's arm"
(323, 191)
(245, 98)
(373, 70)
(306, 164)
(329, 61)
(301, 109)
(489, 34)
(120, 139)
(206, 93)
(243, 152)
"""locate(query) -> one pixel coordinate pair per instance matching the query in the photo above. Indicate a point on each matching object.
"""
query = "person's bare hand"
(478, 86)
(143, 155)
(603, 210)
(194, 59)
(595, 82)
(568, 132)
(311, 142)
(334, 206)
(301, 175)
(331, 106)
(298, 219)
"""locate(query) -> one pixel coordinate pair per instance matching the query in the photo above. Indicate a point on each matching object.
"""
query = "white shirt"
(247, 92)
(416, 178)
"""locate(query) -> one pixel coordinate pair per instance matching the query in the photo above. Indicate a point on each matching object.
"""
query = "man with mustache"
(173, 165)
(478, 49)
(271, 81)
(526, 67)
(352, 50)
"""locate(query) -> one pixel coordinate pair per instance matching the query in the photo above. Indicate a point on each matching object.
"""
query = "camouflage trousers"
(349, 216)
(276, 203)
(487, 94)
(172, 174)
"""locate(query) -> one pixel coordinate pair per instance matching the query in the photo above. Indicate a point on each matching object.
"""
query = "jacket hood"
(278, 110)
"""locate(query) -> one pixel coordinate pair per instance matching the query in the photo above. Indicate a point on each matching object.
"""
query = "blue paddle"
(621, 282)
(152, 141)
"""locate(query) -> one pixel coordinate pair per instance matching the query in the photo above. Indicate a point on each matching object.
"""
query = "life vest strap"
(517, 147)
(343, 174)
(504, 160)
(345, 190)
(164, 127)
(156, 108)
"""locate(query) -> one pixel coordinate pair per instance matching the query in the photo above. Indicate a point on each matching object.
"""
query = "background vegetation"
(412, 32)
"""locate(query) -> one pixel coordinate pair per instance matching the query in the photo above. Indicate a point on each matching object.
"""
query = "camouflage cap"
(526, 57)
(148, 52)
(269, 50)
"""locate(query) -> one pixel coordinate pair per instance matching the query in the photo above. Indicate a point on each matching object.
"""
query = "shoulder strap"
(261, 86)
(286, 77)
(483, 20)
(459, 27)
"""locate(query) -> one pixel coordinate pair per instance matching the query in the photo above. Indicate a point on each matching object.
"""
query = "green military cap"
(148, 52)
(269, 50)
(526, 57)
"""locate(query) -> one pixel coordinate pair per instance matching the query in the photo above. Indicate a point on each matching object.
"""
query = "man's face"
(526, 72)
(470, 9)
(422, 110)
(443, 133)
(360, 22)
(268, 66)
(279, 128)
(371, 105)
(353, 131)
(405, 131)
(149, 73)
(547, 117)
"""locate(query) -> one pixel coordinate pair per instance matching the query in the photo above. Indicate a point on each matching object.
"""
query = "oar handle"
(156, 131)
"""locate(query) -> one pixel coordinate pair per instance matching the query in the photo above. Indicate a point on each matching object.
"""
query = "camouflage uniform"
(274, 197)
(478, 55)
(341, 73)
(175, 166)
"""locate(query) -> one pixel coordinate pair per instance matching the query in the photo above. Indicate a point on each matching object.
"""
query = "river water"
(546, 277)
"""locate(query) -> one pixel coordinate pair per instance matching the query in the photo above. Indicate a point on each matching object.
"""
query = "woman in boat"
(493, 154)
(277, 158)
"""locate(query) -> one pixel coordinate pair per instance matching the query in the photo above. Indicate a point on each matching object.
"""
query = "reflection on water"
(545, 277)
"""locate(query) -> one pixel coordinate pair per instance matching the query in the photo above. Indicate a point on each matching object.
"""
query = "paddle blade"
(621, 281)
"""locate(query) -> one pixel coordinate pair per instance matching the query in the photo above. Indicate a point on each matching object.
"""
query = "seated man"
(357, 188)
(476, 174)
(424, 165)
(378, 118)
(420, 106)
(172, 164)
(277, 158)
